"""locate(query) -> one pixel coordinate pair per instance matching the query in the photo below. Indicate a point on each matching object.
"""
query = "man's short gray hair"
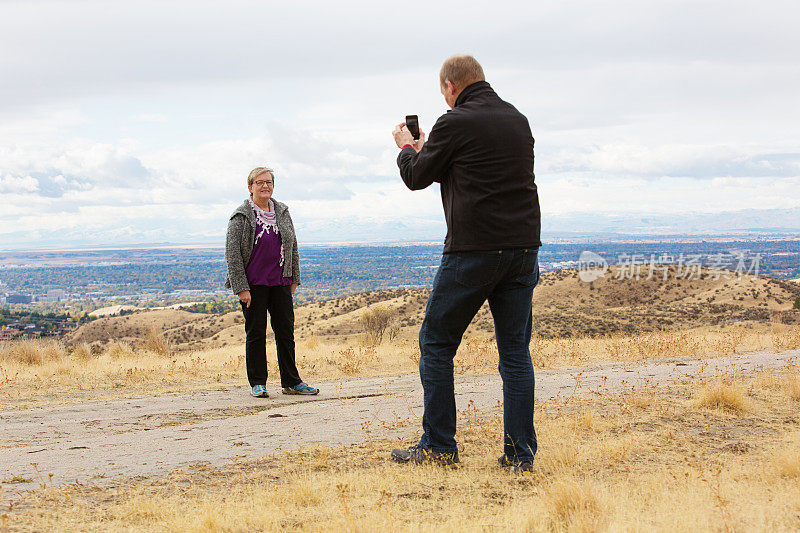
(461, 70)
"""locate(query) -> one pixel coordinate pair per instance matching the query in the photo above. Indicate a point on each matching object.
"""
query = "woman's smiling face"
(262, 187)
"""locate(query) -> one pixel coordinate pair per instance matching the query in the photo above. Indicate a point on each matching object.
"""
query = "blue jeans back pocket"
(476, 269)
(529, 268)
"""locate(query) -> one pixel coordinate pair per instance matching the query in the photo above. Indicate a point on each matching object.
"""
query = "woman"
(264, 271)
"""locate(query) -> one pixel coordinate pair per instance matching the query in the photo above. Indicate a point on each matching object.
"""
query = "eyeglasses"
(264, 183)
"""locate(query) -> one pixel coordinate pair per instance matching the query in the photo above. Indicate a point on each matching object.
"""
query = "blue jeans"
(464, 281)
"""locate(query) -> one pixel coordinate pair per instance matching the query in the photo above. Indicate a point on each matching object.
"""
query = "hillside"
(563, 306)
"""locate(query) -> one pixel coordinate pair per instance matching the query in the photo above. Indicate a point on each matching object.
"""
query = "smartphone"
(412, 123)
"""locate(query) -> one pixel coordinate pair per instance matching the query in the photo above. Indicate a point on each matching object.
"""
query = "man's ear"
(451, 89)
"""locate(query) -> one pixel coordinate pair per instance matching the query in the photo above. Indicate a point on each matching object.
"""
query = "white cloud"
(563, 196)
(696, 161)
(15, 184)
(151, 117)
(670, 107)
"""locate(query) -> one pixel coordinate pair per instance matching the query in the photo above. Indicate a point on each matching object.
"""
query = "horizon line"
(574, 238)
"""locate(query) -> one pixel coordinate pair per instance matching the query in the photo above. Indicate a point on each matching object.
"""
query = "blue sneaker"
(301, 388)
(259, 391)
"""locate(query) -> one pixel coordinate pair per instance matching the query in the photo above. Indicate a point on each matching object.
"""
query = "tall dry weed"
(22, 351)
(155, 342)
(53, 350)
(303, 489)
(653, 345)
(787, 460)
(728, 341)
(141, 507)
(81, 352)
(785, 337)
(791, 384)
(573, 506)
(33, 351)
(350, 361)
(312, 342)
(561, 456)
(476, 354)
(769, 381)
(722, 394)
(119, 350)
(639, 399)
(537, 349)
(570, 350)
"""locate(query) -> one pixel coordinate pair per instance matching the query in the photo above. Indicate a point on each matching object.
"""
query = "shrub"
(351, 361)
(376, 321)
(32, 351)
(24, 351)
(119, 350)
(788, 462)
(82, 351)
(721, 394)
(155, 342)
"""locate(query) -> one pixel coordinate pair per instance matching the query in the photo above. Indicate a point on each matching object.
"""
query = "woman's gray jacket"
(240, 240)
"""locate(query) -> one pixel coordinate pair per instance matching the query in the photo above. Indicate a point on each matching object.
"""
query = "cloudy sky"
(138, 122)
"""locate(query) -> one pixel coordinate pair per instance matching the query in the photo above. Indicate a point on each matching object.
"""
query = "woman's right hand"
(244, 297)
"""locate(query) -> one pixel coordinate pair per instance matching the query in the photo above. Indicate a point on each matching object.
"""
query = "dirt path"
(104, 441)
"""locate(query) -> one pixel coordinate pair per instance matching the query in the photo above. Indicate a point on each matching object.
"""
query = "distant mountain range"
(748, 222)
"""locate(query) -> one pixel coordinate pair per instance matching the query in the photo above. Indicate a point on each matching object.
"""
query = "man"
(481, 153)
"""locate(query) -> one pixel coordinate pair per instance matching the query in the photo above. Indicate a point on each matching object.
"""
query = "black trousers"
(277, 301)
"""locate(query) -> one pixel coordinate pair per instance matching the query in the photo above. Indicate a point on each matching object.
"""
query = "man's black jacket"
(481, 152)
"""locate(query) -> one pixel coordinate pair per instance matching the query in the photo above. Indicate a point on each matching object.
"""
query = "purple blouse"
(265, 262)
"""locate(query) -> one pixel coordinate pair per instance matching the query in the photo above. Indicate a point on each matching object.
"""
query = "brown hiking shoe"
(419, 454)
(515, 466)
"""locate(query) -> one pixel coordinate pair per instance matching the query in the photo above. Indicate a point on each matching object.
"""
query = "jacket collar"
(479, 87)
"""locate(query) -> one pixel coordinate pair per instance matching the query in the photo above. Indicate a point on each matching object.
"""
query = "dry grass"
(573, 505)
(33, 352)
(350, 361)
(695, 342)
(605, 463)
(785, 337)
(721, 393)
(787, 461)
(119, 350)
(81, 352)
(122, 367)
(792, 385)
(155, 342)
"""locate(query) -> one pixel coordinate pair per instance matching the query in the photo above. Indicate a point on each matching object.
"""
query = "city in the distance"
(49, 292)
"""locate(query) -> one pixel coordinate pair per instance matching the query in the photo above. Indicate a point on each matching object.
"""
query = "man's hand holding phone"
(402, 136)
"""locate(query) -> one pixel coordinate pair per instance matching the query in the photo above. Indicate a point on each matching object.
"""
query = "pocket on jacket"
(477, 269)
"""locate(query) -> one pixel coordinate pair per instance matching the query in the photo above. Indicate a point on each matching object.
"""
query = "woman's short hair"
(257, 172)
(461, 70)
